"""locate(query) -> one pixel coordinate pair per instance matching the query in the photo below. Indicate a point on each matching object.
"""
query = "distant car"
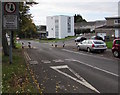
(116, 48)
(92, 45)
(97, 38)
(17, 38)
(81, 34)
(80, 39)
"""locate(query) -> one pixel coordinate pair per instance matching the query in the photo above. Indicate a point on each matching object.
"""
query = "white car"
(92, 45)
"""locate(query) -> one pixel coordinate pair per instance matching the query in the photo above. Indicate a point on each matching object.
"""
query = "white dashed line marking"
(33, 62)
(46, 61)
(58, 60)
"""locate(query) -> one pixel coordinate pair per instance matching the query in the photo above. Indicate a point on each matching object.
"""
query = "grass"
(18, 45)
(15, 76)
(109, 44)
(56, 40)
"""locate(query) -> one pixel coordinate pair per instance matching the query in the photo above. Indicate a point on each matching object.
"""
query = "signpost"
(10, 20)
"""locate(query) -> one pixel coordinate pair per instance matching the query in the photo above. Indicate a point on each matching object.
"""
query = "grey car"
(92, 45)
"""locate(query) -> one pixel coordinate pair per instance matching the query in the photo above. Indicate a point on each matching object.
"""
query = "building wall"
(59, 24)
(110, 22)
(117, 33)
(50, 27)
(109, 32)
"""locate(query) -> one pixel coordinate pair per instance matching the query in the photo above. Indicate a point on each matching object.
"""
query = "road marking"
(96, 68)
(79, 80)
(27, 56)
(34, 47)
(70, 59)
(86, 54)
(58, 60)
(92, 66)
(46, 61)
(33, 62)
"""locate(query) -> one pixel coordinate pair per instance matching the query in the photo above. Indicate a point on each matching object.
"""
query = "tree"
(78, 18)
(27, 27)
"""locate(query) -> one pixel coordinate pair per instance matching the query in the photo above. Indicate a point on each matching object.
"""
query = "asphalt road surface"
(60, 70)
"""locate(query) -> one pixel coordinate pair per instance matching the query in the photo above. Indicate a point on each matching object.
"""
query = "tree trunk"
(5, 44)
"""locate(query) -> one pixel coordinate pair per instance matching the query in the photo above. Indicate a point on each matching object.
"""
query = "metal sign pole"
(10, 51)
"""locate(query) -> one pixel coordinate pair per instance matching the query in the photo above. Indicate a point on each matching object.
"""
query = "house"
(111, 29)
(60, 26)
(89, 25)
(41, 29)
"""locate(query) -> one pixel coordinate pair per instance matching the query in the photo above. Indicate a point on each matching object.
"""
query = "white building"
(60, 26)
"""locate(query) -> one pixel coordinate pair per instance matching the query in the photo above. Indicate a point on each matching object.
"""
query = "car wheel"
(78, 47)
(88, 49)
(116, 53)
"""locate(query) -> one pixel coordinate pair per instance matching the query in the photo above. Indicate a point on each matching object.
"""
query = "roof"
(92, 23)
(60, 16)
(105, 26)
(112, 17)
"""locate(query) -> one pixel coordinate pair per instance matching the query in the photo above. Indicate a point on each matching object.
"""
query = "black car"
(97, 38)
(80, 39)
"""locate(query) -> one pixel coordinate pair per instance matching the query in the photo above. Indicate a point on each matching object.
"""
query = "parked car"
(80, 39)
(97, 38)
(116, 48)
(92, 45)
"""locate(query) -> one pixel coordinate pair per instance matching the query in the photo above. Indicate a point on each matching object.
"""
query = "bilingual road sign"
(10, 22)
(10, 15)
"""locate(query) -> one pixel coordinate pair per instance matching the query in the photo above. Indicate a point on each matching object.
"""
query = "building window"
(69, 24)
(51, 28)
(117, 21)
(56, 21)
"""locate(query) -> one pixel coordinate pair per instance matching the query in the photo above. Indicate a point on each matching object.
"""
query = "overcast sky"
(90, 10)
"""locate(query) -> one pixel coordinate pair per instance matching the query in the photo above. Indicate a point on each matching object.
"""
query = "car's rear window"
(98, 42)
(117, 41)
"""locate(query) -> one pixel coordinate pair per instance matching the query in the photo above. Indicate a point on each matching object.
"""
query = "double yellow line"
(27, 57)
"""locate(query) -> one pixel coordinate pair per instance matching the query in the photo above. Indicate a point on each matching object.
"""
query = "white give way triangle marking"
(79, 80)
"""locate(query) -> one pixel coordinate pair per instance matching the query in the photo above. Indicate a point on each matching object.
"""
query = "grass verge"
(15, 76)
(56, 40)
(109, 45)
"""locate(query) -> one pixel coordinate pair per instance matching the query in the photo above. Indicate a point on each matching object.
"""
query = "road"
(62, 70)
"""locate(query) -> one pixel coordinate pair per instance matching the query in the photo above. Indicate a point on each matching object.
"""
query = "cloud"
(92, 9)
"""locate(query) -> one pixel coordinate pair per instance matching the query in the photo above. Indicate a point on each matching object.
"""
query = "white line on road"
(86, 54)
(79, 80)
(58, 60)
(96, 68)
(46, 61)
(92, 66)
(33, 62)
